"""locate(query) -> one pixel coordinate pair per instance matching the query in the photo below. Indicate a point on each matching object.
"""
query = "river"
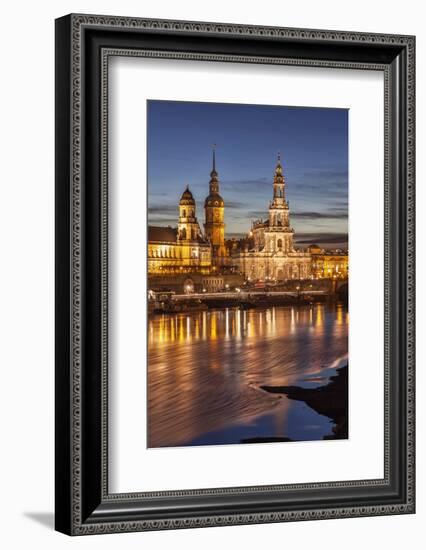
(205, 370)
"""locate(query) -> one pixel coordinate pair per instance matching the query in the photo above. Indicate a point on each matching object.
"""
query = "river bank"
(329, 400)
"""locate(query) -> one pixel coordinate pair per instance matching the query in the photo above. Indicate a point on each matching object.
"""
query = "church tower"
(188, 228)
(279, 236)
(214, 227)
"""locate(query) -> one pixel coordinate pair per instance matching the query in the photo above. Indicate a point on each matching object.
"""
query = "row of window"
(175, 252)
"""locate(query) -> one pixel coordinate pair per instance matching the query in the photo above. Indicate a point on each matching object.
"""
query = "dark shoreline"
(330, 400)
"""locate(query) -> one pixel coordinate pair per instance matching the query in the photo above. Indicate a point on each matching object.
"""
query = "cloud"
(162, 220)
(262, 180)
(331, 185)
(257, 214)
(327, 175)
(338, 215)
(234, 205)
(324, 238)
(341, 206)
(162, 209)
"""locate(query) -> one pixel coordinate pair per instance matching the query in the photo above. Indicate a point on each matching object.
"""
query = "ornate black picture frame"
(83, 45)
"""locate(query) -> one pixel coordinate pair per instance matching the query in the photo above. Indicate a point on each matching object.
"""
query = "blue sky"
(314, 150)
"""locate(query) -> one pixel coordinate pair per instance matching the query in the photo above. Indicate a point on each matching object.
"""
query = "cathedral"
(269, 253)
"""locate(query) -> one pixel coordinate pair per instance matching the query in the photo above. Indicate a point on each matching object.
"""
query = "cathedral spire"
(278, 168)
(214, 207)
(214, 181)
(213, 173)
(278, 207)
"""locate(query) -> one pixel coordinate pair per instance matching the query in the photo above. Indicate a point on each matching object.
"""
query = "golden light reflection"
(292, 321)
(204, 330)
(172, 330)
(201, 364)
(197, 328)
(181, 330)
(188, 329)
(213, 327)
(339, 315)
(238, 324)
(319, 320)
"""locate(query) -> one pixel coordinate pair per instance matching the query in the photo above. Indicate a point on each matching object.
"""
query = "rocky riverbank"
(330, 400)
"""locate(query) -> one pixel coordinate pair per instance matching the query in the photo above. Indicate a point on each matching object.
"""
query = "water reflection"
(205, 369)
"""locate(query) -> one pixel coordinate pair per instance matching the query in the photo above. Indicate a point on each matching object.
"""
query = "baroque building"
(179, 250)
(269, 253)
(327, 264)
(185, 249)
(212, 262)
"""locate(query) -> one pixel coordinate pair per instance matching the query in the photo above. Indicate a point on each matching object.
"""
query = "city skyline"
(313, 143)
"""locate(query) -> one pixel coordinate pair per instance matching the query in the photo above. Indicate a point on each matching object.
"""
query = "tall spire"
(214, 181)
(278, 168)
(213, 173)
(279, 182)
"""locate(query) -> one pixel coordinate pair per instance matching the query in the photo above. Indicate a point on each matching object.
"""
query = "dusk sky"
(314, 150)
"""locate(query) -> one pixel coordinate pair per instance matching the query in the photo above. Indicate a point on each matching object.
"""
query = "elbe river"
(205, 370)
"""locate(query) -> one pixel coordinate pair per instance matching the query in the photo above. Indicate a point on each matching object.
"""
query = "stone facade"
(179, 250)
(186, 249)
(328, 264)
(269, 252)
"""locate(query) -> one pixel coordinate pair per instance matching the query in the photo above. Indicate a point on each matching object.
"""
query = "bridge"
(245, 295)
(168, 301)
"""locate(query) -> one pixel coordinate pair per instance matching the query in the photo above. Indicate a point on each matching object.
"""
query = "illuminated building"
(179, 250)
(269, 252)
(328, 264)
(214, 227)
(186, 249)
(212, 263)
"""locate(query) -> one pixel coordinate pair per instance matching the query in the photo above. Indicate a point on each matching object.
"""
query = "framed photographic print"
(234, 274)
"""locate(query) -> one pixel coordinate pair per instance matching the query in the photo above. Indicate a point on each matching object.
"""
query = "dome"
(187, 198)
(214, 200)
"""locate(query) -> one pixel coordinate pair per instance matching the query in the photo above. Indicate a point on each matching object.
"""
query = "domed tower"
(188, 228)
(214, 207)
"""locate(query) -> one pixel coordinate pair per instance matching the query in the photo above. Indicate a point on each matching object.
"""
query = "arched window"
(184, 213)
(184, 233)
(280, 243)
